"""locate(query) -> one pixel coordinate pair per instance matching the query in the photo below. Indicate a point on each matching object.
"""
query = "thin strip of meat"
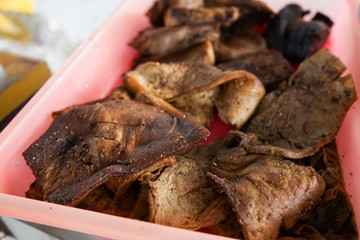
(163, 41)
(202, 53)
(185, 16)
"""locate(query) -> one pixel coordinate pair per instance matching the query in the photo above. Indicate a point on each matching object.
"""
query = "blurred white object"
(58, 28)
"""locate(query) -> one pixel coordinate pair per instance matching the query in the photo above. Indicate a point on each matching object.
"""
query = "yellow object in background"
(19, 6)
(10, 25)
(20, 77)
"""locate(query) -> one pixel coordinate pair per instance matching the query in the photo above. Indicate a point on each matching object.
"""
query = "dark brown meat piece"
(202, 53)
(87, 145)
(163, 41)
(333, 217)
(319, 101)
(185, 16)
(267, 65)
(169, 81)
(157, 11)
(186, 3)
(118, 93)
(252, 12)
(35, 191)
(182, 196)
(103, 200)
(269, 194)
(232, 46)
(229, 227)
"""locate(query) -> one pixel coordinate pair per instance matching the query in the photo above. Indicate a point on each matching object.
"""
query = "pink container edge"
(81, 80)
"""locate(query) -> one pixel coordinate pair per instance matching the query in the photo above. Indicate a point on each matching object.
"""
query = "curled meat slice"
(172, 80)
(183, 197)
(87, 145)
(238, 100)
(163, 41)
(198, 107)
(267, 65)
(232, 46)
(185, 16)
(269, 194)
(319, 102)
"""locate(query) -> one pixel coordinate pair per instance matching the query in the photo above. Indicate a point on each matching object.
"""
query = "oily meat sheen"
(270, 193)
(90, 143)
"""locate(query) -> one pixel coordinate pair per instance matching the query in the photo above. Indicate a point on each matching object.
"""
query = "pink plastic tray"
(93, 70)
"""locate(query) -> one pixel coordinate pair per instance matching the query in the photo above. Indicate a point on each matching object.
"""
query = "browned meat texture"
(198, 107)
(148, 98)
(238, 43)
(319, 101)
(103, 200)
(186, 3)
(158, 9)
(252, 12)
(269, 194)
(238, 100)
(182, 196)
(172, 80)
(85, 146)
(163, 41)
(185, 16)
(229, 227)
(202, 53)
(268, 65)
(333, 217)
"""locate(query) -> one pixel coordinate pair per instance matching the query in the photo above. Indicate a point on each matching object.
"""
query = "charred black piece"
(294, 38)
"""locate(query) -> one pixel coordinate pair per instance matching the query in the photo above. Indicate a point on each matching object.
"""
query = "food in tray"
(136, 153)
(88, 144)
